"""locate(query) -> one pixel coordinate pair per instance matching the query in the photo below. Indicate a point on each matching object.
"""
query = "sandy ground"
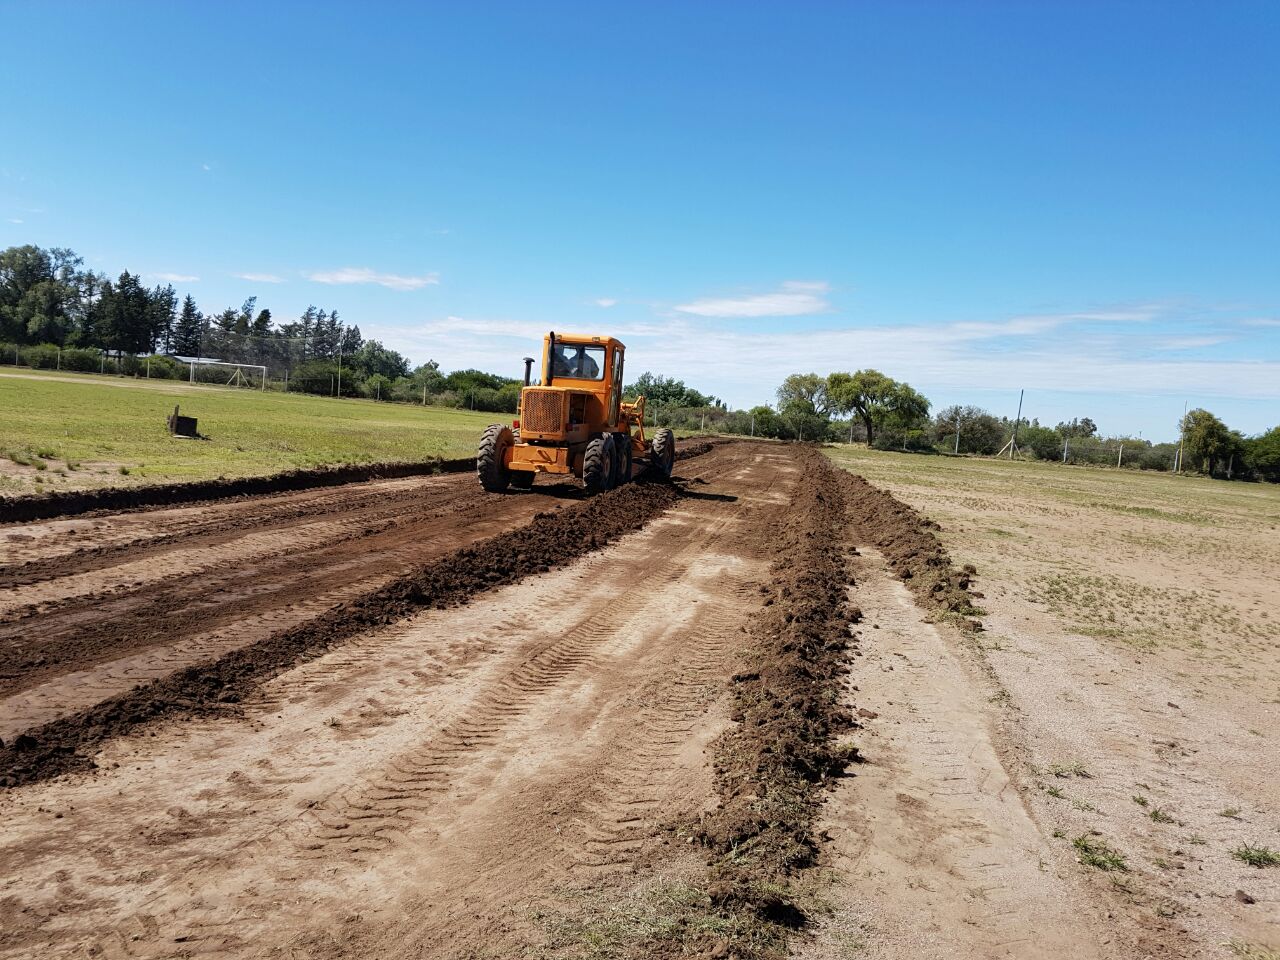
(500, 778)
(419, 789)
(1127, 685)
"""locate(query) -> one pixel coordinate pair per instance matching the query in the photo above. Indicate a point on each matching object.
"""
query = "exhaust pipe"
(551, 357)
(528, 369)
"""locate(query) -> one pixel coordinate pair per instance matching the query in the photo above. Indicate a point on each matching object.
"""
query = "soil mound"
(771, 767)
(912, 548)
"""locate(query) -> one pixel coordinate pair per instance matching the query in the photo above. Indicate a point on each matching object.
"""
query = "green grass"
(1099, 854)
(1256, 856)
(108, 431)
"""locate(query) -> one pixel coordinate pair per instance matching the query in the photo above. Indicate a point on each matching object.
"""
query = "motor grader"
(573, 421)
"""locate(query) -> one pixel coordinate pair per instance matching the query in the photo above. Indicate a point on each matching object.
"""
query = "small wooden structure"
(181, 426)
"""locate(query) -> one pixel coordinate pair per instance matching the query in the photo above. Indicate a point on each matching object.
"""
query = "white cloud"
(174, 277)
(1190, 343)
(205, 167)
(796, 298)
(606, 302)
(15, 220)
(260, 277)
(1261, 322)
(392, 281)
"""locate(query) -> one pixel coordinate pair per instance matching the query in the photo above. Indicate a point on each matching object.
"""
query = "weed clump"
(1256, 856)
(1097, 853)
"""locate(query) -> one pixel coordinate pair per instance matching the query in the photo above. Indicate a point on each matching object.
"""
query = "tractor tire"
(662, 454)
(622, 459)
(522, 479)
(597, 464)
(491, 465)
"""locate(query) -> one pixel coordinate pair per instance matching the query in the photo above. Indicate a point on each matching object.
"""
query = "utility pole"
(1013, 441)
(1064, 449)
(1182, 435)
(1120, 456)
(340, 332)
(753, 424)
(957, 433)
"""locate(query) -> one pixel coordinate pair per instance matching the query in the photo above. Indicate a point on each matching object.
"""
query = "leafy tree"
(1206, 440)
(1046, 444)
(665, 392)
(1262, 455)
(980, 432)
(39, 294)
(373, 359)
(802, 419)
(1082, 427)
(880, 402)
(809, 388)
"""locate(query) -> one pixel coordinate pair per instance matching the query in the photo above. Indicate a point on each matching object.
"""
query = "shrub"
(44, 356)
(82, 359)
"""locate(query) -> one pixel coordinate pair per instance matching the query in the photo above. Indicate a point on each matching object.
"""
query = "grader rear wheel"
(662, 455)
(597, 464)
(491, 465)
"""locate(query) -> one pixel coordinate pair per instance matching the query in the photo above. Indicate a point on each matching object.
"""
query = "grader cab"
(573, 422)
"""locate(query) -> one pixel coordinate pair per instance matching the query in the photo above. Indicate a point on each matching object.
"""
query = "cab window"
(578, 361)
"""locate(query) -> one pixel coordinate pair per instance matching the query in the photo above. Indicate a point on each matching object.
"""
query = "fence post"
(1064, 449)
(59, 358)
(1120, 456)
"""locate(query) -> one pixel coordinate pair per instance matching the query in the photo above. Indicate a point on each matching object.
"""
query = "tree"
(40, 294)
(980, 432)
(1083, 427)
(162, 306)
(802, 419)
(661, 391)
(1206, 440)
(373, 359)
(1262, 455)
(261, 326)
(880, 402)
(807, 387)
(187, 330)
(351, 340)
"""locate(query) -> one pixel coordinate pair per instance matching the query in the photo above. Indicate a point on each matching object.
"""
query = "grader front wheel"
(491, 466)
(597, 464)
(662, 455)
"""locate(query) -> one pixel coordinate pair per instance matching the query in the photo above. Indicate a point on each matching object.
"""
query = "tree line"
(870, 407)
(54, 312)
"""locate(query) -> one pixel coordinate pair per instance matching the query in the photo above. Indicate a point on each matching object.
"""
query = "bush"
(167, 368)
(81, 359)
(41, 357)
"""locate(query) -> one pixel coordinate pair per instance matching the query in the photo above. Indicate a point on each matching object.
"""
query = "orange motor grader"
(573, 422)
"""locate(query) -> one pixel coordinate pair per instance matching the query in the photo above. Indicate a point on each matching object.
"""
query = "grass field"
(73, 431)
(1156, 562)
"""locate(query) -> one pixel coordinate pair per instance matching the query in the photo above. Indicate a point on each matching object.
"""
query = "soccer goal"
(251, 375)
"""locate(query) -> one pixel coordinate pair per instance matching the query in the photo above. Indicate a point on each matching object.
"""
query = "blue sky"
(1082, 199)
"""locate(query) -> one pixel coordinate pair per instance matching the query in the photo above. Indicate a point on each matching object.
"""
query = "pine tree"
(185, 341)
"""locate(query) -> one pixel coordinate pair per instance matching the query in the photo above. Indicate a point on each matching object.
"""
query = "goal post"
(227, 374)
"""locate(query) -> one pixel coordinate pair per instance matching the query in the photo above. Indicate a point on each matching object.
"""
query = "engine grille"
(542, 411)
